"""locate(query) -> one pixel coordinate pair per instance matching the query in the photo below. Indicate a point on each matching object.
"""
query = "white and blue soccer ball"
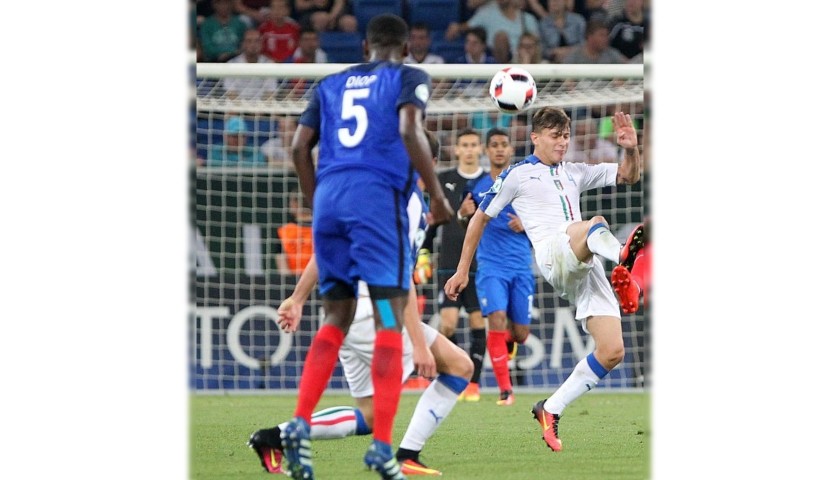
(513, 90)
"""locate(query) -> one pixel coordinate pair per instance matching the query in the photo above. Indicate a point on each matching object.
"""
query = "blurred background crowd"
(442, 31)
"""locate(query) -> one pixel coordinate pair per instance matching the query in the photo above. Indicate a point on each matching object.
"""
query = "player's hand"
(456, 284)
(441, 210)
(423, 267)
(424, 362)
(515, 223)
(289, 313)
(467, 208)
(625, 132)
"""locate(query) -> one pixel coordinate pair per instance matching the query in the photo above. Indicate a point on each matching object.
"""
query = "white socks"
(582, 379)
(601, 241)
(434, 405)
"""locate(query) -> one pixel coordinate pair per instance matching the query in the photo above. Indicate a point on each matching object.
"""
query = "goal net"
(235, 343)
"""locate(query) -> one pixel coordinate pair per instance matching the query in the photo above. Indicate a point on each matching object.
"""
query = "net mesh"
(235, 343)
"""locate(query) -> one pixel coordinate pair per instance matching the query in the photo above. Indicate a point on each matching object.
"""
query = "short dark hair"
(387, 30)
(550, 117)
(308, 29)
(495, 131)
(593, 25)
(420, 26)
(479, 32)
(464, 132)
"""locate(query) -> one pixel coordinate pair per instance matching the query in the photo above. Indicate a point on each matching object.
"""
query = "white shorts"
(356, 355)
(583, 284)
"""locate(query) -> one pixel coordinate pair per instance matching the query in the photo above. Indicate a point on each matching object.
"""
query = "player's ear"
(405, 50)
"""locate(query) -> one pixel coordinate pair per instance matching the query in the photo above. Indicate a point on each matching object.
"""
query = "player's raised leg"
(631, 277)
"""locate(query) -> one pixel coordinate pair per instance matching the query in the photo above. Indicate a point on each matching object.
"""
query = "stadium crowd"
(561, 31)
(465, 31)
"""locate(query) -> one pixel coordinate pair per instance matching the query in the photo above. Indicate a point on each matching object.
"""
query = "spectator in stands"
(295, 238)
(475, 47)
(221, 34)
(586, 146)
(309, 48)
(252, 12)
(234, 152)
(419, 43)
(280, 32)
(561, 30)
(595, 47)
(325, 15)
(529, 50)
(537, 8)
(468, 8)
(590, 9)
(276, 148)
(628, 31)
(504, 22)
(250, 88)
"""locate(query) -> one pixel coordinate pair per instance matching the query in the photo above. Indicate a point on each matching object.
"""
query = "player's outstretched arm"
(302, 144)
(291, 310)
(459, 281)
(629, 171)
(417, 145)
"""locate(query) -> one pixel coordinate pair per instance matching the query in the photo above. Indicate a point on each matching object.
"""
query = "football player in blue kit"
(367, 122)
(503, 279)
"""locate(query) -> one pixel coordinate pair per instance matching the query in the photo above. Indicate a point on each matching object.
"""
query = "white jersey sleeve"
(597, 176)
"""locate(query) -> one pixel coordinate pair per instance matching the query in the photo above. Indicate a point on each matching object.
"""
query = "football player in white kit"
(545, 192)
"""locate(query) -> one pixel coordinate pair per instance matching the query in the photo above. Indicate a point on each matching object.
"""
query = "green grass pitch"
(606, 436)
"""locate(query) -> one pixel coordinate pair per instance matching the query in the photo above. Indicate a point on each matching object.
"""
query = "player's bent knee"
(612, 355)
(463, 367)
(598, 219)
(453, 360)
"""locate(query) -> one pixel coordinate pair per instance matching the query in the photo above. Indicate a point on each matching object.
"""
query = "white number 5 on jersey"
(349, 110)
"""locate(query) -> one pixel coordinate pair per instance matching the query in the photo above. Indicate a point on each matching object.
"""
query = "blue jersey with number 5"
(356, 115)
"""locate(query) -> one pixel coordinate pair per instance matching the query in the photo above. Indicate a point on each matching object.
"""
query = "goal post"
(236, 210)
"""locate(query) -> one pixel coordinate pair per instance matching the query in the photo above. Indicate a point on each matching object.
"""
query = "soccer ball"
(513, 90)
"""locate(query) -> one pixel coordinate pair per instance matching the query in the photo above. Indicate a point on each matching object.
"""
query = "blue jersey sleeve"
(416, 88)
(311, 117)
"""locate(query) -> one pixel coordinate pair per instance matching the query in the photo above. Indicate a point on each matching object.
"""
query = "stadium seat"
(364, 10)
(342, 47)
(450, 50)
(437, 14)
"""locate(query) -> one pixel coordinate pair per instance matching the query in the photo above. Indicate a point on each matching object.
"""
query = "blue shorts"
(360, 232)
(510, 292)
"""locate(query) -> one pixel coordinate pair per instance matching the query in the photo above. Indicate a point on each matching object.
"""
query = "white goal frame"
(235, 345)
